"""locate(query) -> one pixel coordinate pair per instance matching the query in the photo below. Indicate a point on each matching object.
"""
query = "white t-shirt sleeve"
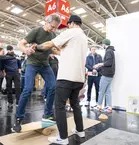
(62, 39)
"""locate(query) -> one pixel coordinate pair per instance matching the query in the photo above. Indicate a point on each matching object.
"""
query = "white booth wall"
(123, 32)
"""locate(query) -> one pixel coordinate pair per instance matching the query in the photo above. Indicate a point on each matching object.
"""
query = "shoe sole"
(47, 120)
(82, 136)
(15, 131)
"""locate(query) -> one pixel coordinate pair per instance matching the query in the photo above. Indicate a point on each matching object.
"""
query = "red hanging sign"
(50, 7)
(64, 8)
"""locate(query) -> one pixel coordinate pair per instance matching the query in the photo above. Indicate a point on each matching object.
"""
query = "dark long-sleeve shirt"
(91, 61)
(108, 69)
(11, 66)
(2, 58)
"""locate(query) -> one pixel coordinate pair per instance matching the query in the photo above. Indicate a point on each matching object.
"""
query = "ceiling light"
(42, 22)
(83, 16)
(21, 30)
(38, 20)
(79, 11)
(135, 1)
(8, 8)
(72, 8)
(16, 10)
(2, 25)
(3, 37)
(98, 25)
(24, 15)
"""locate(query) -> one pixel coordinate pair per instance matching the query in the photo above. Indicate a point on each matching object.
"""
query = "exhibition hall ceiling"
(18, 17)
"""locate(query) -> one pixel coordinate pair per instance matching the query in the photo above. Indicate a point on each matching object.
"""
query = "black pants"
(93, 80)
(67, 90)
(16, 79)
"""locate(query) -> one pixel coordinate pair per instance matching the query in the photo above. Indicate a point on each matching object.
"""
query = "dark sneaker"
(10, 106)
(17, 125)
(46, 118)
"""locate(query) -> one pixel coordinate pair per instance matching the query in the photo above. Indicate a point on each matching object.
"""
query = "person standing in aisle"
(71, 76)
(94, 75)
(37, 62)
(108, 71)
(12, 69)
(1, 71)
(2, 58)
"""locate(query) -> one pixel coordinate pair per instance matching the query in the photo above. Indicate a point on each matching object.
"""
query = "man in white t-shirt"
(71, 76)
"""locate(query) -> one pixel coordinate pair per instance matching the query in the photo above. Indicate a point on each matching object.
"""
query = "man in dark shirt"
(37, 62)
(94, 75)
(12, 70)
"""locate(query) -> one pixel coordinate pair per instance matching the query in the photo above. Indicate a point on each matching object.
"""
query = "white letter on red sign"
(65, 9)
(50, 8)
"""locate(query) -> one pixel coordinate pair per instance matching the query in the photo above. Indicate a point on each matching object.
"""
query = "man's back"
(73, 56)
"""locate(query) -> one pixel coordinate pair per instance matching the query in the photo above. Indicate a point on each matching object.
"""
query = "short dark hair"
(9, 47)
(78, 23)
(1, 48)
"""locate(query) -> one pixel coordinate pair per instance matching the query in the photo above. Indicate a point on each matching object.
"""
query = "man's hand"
(19, 70)
(30, 50)
(98, 65)
(94, 72)
(52, 56)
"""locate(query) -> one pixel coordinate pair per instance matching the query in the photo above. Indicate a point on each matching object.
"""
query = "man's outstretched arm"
(46, 46)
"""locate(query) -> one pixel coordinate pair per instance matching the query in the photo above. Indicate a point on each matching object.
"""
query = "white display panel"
(123, 32)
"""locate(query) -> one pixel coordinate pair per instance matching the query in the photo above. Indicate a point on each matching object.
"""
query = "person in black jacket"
(108, 71)
(94, 75)
(2, 58)
(1, 68)
(12, 69)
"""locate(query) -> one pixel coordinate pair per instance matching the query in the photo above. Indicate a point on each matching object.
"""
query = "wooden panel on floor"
(35, 138)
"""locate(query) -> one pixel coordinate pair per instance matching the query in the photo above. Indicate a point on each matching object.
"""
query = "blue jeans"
(49, 78)
(105, 89)
(22, 80)
(45, 89)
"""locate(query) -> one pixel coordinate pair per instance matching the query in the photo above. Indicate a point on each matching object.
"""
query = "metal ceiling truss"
(91, 11)
(87, 28)
(115, 6)
(25, 24)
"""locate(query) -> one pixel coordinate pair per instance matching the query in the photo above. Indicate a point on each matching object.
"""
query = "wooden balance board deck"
(35, 138)
(40, 126)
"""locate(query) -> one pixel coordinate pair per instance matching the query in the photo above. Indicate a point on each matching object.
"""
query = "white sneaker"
(58, 140)
(80, 134)
(87, 103)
